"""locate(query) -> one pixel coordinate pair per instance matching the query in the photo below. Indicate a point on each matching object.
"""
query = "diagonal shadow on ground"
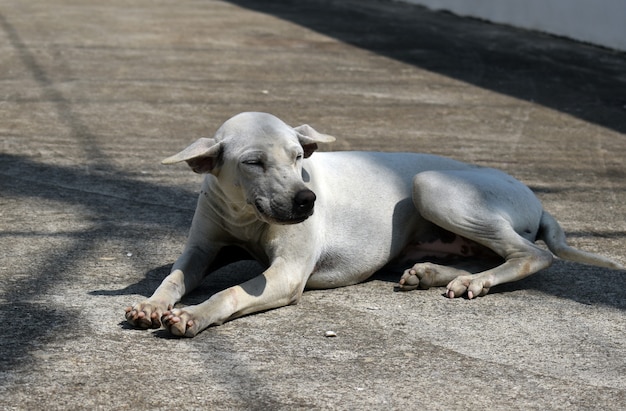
(116, 207)
(583, 81)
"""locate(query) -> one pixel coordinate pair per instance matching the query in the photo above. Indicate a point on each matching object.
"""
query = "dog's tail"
(552, 234)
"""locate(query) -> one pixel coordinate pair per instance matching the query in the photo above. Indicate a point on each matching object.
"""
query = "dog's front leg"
(187, 273)
(280, 285)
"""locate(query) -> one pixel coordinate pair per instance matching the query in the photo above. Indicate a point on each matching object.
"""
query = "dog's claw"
(179, 323)
(471, 285)
(144, 315)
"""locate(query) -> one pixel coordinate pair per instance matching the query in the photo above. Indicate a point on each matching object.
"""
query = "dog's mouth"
(266, 214)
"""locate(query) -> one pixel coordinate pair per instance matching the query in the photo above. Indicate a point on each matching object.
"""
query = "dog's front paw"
(146, 314)
(180, 322)
(421, 275)
(473, 285)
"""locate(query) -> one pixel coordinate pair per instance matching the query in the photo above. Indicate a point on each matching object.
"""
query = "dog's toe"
(470, 285)
(421, 275)
(144, 315)
(409, 280)
(179, 323)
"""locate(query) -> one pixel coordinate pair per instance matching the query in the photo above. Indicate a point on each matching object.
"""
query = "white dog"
(337, 218)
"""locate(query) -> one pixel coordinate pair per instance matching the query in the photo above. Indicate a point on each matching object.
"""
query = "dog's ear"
(202, 155)
(309, 138)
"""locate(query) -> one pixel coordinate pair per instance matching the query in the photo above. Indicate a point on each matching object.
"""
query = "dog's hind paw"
(180, 322)
(472, 285)
(421, 276)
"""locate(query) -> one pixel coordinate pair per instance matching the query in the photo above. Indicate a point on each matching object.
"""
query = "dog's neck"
(237, 218)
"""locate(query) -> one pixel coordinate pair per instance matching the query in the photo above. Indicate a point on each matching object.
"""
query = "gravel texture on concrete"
(94, 94)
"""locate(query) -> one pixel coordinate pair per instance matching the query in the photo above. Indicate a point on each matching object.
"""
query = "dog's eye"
(299, 157)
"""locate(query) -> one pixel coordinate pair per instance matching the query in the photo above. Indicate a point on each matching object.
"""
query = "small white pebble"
(330, 334)
(129, 254)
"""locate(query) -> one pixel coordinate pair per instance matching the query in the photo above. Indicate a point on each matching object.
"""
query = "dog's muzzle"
(300, 209)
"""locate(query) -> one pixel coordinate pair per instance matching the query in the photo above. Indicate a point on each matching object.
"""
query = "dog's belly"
(449, 247)
(341, 269)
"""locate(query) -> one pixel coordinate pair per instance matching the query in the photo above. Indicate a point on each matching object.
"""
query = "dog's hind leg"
(522, 258)
(489, 208)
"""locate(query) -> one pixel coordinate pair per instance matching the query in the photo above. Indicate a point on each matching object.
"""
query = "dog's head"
(257, 159)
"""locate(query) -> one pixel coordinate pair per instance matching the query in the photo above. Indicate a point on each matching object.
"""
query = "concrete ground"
(94, 94)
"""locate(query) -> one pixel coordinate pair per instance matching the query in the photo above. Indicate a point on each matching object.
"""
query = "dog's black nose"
(304, 200)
